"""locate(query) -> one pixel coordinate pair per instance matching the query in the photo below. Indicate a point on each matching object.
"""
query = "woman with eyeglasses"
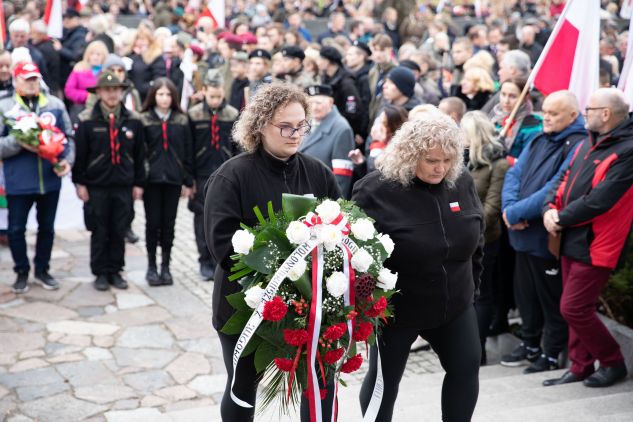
(270, 130)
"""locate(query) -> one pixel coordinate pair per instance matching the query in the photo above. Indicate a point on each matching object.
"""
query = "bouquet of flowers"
(35, 131)
(313, 286)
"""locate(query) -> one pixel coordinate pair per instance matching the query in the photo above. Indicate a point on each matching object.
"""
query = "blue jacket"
(530, 179)
(24, 171)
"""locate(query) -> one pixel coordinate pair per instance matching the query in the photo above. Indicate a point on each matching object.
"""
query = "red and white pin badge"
(454, 206)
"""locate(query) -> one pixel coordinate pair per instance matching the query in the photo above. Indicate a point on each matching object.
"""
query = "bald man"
(537, 276)
(592, 206)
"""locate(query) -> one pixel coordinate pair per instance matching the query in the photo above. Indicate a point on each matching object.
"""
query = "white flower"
(297, 271)
(387, 243)
(328, 211)
(363, 229)
(386, 279)
(329, 236)
(362, 260)
(253, 296)
(243, 241)
(26, 123)
(337, 284)
(297, 233)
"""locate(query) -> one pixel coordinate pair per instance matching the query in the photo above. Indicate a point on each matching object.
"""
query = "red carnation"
(362, 331)
(295, 338)
(352, 364)
(335, 331)
(379, 307)
(333, 356)
(275, 310)
(284, 364)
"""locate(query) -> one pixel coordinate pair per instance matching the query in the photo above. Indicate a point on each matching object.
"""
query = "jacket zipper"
(39, 173)
(285, 178)
(439, 210)
(582, 166)
(95, 161)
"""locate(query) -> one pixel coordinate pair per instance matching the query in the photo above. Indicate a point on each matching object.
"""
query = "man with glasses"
(331, 138)
(592, 208)
(211, 123)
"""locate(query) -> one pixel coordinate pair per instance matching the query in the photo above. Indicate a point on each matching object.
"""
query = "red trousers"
(589, 339)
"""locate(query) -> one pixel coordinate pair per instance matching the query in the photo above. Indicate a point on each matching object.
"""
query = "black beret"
(332, 54)
(362, 46)
(294, 52)
(263, 54)
(313, 90)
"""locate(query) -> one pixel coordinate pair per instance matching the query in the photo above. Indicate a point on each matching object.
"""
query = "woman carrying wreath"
(270, 131)
(422, 197)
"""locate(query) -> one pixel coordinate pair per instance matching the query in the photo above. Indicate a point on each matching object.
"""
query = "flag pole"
(535, 69)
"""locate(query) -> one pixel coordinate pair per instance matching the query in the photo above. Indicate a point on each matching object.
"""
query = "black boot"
(152, 274)
(165, 274)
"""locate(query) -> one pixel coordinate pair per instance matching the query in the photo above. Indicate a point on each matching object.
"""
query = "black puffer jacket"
(438, 233)
(232, 192)
(143, 74)
(169, 152)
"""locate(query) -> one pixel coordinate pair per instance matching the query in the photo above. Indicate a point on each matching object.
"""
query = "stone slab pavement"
(143, 354)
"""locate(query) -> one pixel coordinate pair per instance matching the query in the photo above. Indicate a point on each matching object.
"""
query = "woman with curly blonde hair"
(270, 130)
(422, 197)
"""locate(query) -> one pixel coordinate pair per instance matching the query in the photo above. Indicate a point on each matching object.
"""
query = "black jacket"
(53, 63)
(95, 164)
(347, 100)
(237, 99)
(594, 198)
(361, 78)
(232, 192)
(143, 74)
(210, 153)
(439, 236)
(73, 44)
(169, 152)
(477, 102)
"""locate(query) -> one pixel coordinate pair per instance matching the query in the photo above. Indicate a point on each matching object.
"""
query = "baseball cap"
(26, 70)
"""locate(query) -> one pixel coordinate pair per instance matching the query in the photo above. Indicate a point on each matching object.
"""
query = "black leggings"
(457, 346)
(246, 387)
(161, 207)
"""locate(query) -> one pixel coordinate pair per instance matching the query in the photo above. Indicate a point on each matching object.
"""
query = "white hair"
(39, 26)
(20, 25)
(21, 54)
(98, 24)
(519, 60)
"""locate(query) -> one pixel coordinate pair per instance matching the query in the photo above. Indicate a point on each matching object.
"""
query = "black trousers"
(110, 214)
(485, 303)
(538, 287)
(246, 387)
(197, 206)
(457, 346)
(503, 281)
(161, 207)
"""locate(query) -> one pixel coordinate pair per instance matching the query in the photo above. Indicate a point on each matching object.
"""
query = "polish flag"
(455, 206)
(3, 28)
(53, 18)
(626, 10)
(624, 83)
(215, 10)
(571, 57)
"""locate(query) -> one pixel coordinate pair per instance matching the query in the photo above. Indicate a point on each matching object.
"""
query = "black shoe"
(46, 280)
(152, 276)
(21, 284)
(207, 271)
(101, 283)
(165, 276)
(606, 376)
(568, 377)
(117, 281)
(130, 236)
(520, 355)
(542, 364)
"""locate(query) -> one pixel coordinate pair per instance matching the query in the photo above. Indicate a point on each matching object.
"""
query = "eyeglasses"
(289, 131)
(587, 109)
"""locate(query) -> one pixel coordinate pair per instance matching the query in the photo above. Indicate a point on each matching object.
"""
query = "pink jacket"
(77, 84)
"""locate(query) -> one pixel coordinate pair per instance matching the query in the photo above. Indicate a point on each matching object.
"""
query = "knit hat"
(332, 54)
(113, 60)
(403, 79)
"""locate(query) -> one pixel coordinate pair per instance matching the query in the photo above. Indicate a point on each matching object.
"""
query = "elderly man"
(31, 179)
(331, 138)
(19, 36)
(515, 64)
(592, 205)
(537, 278)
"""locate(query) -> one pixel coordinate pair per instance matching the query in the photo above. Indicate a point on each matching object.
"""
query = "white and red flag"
(215, 9)
(53, 18)
(3, 28)
(625, 83)
(571, 57)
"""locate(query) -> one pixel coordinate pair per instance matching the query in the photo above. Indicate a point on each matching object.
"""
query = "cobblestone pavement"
(141, 354)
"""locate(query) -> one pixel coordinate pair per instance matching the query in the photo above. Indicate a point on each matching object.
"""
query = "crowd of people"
(406, 103)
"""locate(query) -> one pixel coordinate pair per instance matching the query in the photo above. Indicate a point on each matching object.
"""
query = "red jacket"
(594, 198)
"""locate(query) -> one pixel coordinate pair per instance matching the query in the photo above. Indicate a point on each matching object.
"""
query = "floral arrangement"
(313, 286)
(39, 132)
